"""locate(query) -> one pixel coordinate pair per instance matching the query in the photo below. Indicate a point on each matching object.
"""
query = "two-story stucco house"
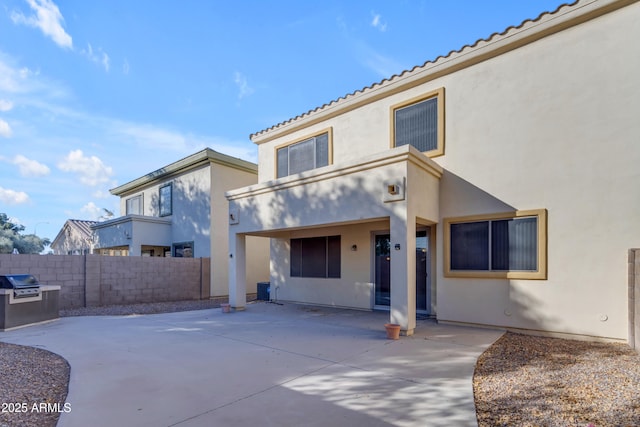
(493, 186)
(180, 210)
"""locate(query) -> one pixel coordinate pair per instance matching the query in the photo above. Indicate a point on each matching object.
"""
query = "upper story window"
(420, 122)
(134, 205)
(303, 155)
(511, 246)
(166, 202)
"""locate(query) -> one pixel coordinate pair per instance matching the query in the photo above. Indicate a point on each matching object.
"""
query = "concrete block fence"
(95, 280)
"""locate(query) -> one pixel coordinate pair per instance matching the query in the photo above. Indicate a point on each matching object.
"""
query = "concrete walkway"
(271, 365)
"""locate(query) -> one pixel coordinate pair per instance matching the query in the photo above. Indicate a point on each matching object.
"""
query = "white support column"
(237, 271)
(403, 273)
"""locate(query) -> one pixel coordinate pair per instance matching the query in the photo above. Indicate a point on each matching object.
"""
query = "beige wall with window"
(552, 126)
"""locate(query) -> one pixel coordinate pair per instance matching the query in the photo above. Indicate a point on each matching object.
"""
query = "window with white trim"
(315, 257)
(304, 155)
(505, 245)
(134, 205)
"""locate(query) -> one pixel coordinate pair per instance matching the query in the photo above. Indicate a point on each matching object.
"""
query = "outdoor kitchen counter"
(16, 312)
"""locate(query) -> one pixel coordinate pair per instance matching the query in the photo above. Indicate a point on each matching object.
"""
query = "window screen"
(417, 124)
(315, 257)
(302, 156)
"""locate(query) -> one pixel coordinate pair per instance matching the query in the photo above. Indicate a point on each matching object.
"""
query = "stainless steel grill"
(23, 285)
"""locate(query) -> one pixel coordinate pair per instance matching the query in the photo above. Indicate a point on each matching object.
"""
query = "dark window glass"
(315, 257)
(497, 245)
(165, 200)
(470, 246)
(183, 250)
(333, 253)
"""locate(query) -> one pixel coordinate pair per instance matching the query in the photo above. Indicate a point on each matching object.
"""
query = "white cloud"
(243, 86)
(5, 129)
(11, 197)
(48, 19)
(91, 170)
(377, 23)
(22, 80)
(101, 194)
(93, 211)
(30, 168)
(5, 105)
(100, 57)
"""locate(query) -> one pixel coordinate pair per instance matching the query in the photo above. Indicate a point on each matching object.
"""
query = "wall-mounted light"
(354, 248)
(397, 246)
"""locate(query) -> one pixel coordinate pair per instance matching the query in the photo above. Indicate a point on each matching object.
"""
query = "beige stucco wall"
(550, 125)
(224, 178)
(355, 286)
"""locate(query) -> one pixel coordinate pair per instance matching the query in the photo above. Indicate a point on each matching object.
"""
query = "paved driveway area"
(271, 365)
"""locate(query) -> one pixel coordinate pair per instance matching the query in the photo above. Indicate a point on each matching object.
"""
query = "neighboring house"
(75, 238)
(180, 210)
(496, 185)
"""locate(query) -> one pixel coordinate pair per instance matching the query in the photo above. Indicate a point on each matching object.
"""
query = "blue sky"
(94, 94)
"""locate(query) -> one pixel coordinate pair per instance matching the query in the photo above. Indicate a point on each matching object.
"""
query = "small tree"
(11, 238)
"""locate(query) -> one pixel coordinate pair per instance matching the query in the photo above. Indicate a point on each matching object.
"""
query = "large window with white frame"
(509, 245)
(315, 257)
(420, 122)
(299, 156)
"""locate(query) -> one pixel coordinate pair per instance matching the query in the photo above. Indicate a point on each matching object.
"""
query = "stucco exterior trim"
(399, 154)
(183, 165)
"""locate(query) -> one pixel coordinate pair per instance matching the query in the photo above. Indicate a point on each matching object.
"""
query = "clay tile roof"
(415, 69)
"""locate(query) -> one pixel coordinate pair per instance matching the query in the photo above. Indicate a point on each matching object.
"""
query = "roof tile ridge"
(416, 68)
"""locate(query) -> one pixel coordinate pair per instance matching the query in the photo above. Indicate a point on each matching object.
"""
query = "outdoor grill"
(24, 301)
(23, 285)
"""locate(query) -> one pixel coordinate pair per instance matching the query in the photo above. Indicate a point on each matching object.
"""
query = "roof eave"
(202, 157)
(548, 23)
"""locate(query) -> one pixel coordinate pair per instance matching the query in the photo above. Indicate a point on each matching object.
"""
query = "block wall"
(94, 280)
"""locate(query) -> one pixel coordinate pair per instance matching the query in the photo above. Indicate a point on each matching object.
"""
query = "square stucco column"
(237, 271)
(403, 273)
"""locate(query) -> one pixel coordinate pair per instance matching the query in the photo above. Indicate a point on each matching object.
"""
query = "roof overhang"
(529, 31)
(195, 160)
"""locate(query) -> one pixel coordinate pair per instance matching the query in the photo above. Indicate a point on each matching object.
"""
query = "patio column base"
(406, 332)
(242, 308)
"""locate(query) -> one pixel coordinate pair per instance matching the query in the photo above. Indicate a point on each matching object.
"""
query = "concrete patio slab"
(271, 365)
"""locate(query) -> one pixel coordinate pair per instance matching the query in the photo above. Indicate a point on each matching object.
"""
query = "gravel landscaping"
(520, 380)
(533, 381)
